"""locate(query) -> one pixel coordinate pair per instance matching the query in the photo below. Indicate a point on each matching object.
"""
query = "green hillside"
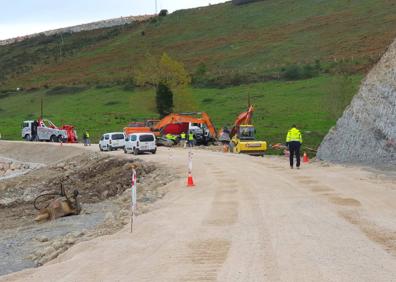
(251, 42)
(278, 105)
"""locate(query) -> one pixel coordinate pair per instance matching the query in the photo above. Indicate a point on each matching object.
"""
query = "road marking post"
(133, 196)
(190, 181)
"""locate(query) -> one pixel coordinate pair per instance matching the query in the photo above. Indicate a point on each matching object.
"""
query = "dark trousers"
(294, 148)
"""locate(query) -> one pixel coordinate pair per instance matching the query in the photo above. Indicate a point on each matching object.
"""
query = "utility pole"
(41, 111)
(156, 7)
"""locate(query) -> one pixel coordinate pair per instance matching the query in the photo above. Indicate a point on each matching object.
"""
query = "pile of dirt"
(104, 184)
(366, 133)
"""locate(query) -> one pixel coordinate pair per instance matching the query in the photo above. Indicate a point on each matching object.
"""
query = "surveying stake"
(133, 196)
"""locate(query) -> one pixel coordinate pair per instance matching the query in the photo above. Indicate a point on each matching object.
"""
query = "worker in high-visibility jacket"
(294, 141)
(87, 141)
(171, 137)
(191, 139)
(183, 139)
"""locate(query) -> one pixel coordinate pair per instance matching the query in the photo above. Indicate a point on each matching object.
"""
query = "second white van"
(139, 143)
(112, 141)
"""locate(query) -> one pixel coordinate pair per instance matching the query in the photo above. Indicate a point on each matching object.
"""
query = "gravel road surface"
(247, 219)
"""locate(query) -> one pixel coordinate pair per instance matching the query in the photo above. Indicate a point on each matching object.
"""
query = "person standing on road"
(86, 138)
(183, 138)
(294, 141)
(35, 124)
(190, 139)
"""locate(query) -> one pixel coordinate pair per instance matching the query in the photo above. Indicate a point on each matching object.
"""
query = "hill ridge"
(80, 27)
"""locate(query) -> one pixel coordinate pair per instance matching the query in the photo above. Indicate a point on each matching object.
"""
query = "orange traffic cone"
(306, 159)
(190, 181)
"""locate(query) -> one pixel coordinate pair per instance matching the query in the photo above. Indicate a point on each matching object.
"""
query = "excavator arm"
(187, 118)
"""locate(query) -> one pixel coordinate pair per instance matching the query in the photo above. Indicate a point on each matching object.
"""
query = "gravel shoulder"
(104, 185)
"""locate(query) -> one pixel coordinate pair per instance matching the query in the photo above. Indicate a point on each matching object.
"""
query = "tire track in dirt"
(207, 256)
(385, 238)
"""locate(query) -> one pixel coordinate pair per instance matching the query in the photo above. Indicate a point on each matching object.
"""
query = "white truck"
(200, 131)
(46, 131)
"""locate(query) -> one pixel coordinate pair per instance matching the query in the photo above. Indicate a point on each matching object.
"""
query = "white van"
(140, 142)
(112, 141)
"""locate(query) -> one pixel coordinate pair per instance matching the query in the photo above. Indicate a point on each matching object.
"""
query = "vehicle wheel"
(53, 138)
(27, 138)
(135, 151)
(60, 139)
(110, 148)
(154, 151)
(100, 148)
(125, 151)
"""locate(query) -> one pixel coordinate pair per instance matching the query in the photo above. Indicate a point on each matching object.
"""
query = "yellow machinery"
(243, 138)
(244, 141)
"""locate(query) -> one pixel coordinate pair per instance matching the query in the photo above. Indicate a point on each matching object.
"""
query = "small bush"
(207, 100)
(102, 85)
(296, 72)
(112, 103)
(163, 13)
(130, 86)
(61, 90)
(292, 72)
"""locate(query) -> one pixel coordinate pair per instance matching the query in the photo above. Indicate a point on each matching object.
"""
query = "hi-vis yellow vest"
(294, 135)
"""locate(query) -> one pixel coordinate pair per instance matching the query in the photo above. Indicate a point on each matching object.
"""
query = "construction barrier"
(305, 158)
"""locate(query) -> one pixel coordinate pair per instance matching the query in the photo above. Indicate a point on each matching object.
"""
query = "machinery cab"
(246, 132)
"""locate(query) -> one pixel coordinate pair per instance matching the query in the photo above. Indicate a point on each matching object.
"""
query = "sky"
(22, 17)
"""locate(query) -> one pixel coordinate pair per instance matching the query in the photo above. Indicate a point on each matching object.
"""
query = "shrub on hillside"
(61, 90)
(164, 100)
(296, 72)
(163, 13)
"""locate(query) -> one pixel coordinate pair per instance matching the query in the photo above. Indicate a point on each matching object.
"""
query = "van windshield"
(146, 138)
(117, 136)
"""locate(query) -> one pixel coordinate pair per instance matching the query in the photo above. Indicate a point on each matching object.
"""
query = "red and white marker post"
(190, 181)
(133, 196)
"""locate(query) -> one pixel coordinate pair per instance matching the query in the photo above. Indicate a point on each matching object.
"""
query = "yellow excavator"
(243, 139)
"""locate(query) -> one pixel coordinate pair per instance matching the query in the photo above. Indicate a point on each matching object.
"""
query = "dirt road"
(247, 219)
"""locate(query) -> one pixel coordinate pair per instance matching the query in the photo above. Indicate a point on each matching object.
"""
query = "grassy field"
(255, 40)
(278, 106)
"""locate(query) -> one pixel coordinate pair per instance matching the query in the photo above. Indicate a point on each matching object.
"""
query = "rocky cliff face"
(366, 133)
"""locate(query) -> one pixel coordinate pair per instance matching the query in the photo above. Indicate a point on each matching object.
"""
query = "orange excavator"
(199, 123)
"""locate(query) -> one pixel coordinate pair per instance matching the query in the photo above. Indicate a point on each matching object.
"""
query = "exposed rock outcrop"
(366, 133)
